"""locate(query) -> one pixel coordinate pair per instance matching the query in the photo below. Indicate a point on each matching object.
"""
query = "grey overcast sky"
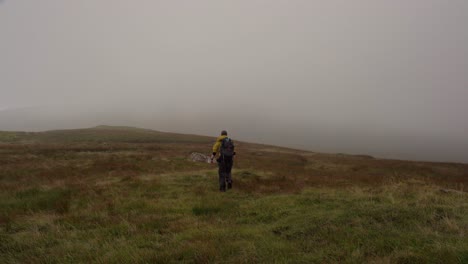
(386, 78)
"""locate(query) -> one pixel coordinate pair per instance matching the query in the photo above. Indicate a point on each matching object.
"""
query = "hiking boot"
(229, 185)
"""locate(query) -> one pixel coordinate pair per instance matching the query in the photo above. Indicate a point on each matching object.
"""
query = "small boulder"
(198, 157)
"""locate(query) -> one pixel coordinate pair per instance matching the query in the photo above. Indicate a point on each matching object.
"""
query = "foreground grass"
(179, 217)
(145, 203)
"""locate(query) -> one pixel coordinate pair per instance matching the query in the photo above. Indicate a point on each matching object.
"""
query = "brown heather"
(125, 195)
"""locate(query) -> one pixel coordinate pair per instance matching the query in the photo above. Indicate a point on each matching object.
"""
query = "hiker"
(225, 147)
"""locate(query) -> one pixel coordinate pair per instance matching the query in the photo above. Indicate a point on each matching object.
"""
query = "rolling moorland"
(128, 195)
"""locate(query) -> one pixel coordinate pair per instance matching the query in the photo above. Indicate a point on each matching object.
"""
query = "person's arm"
(216, 147)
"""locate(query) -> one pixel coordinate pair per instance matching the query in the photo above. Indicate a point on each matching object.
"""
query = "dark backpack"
(227, 147)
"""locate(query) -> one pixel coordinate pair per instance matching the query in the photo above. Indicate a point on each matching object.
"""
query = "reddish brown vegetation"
(258, 168)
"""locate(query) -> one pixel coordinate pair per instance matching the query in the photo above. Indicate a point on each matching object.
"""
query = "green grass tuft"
(35, 200)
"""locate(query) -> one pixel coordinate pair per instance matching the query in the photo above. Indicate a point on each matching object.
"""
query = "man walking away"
(225, 147)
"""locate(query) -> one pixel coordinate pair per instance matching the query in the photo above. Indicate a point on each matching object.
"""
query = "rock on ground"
(198, 157)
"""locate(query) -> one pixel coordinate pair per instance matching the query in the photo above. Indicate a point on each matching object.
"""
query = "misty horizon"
(264, 130)
(387, 79)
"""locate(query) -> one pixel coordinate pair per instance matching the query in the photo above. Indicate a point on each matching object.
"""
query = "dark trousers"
(225, 167)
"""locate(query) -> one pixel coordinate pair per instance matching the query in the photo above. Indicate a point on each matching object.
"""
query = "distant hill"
(250, 124)
(102, 133)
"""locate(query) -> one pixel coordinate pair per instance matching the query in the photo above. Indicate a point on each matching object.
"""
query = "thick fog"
(385, 78)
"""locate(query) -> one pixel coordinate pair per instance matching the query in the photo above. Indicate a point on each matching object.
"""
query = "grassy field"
(124, 195)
